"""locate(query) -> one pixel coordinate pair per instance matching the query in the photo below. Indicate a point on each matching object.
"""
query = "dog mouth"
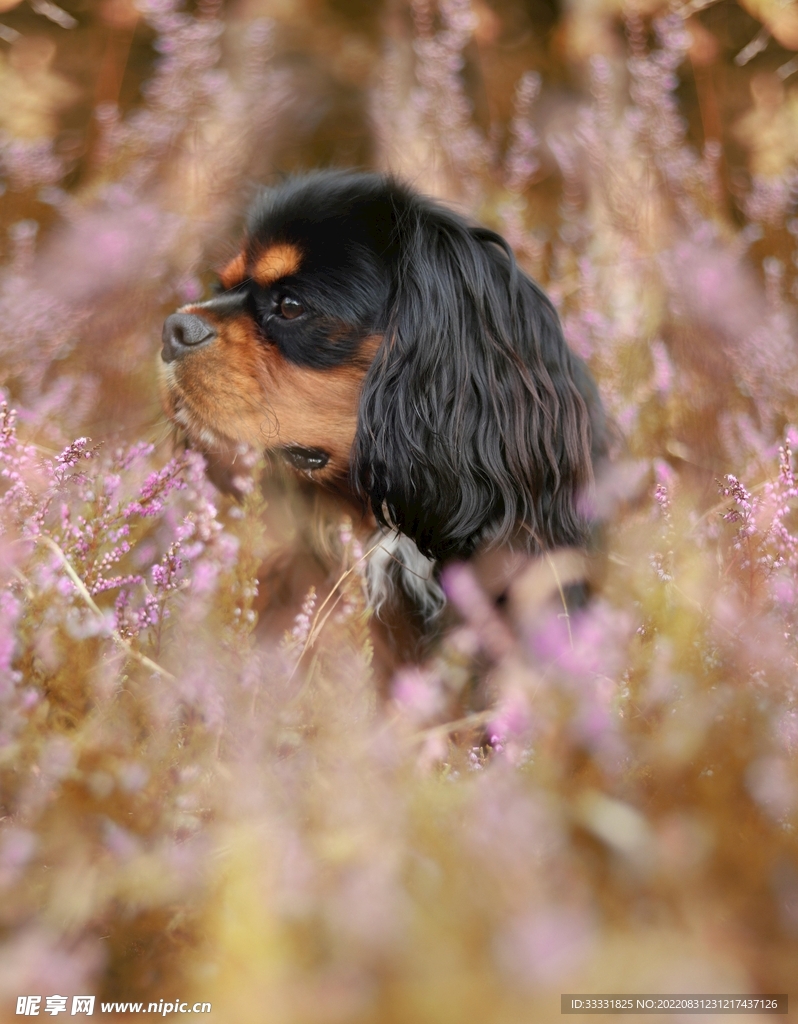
(305, 459)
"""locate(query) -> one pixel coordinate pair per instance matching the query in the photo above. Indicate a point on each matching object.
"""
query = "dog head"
(383, 345)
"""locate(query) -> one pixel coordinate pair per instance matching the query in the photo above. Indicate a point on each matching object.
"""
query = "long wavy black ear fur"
(476, 421)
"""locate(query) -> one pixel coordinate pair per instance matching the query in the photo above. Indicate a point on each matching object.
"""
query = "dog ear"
(473, 424)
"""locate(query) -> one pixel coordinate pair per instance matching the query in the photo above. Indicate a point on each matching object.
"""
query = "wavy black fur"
(476, 420)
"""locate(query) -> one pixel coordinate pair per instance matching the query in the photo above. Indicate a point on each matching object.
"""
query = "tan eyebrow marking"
(277, 261)
(234, 272)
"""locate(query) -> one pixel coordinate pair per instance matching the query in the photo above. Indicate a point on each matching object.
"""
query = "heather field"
(209, 791)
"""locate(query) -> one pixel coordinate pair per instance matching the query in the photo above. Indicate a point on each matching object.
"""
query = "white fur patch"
(397, 561)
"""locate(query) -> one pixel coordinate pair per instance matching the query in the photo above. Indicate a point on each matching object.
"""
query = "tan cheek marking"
(234, 272)
(317, 409)
(277, 261)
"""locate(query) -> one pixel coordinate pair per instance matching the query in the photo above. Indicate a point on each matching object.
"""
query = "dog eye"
(289, 308)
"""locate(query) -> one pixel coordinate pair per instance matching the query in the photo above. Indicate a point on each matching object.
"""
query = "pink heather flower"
(125, 458)
(786, 729)
(771, 782)
(155, 490)
(546, 945)
(151, 613)
(120, 843)
(226, 550)
(74, 452)
(663, 501)
(302, 623)
(521, 162)
(204, 577)
(115, 582)
(461, 587)
(111, 483)
(512, 718)
(476, 759)
(186, 529)
(132, 776)
(418, 693)
(595, 644)
(65, 586)
(17, 846)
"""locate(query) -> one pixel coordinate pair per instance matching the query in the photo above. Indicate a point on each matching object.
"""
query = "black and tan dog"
(395, 353)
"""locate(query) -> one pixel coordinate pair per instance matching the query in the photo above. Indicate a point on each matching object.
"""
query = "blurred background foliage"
(214, 785)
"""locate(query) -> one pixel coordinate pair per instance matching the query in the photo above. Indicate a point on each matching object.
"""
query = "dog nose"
(182, 333)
